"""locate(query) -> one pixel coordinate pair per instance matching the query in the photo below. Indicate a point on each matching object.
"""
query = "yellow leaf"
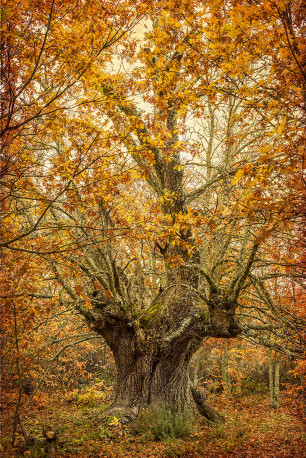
(238, 176)
(115, 422)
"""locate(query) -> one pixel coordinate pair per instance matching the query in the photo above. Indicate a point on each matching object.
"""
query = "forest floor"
(251, 429)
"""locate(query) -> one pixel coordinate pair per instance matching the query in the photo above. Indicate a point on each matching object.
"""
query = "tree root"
(206, 410)
(125, 415)
(128, 414)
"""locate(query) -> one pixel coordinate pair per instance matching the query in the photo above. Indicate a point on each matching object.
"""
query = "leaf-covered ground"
(252, 429)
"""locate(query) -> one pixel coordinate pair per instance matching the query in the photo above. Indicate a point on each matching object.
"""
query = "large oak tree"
(160, 170)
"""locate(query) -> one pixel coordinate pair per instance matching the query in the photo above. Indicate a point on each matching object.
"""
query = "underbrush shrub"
(251, 386)
(90, 397)
(165, 422)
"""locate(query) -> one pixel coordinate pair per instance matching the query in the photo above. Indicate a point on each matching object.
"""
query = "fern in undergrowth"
(90, 397)
(166, 422)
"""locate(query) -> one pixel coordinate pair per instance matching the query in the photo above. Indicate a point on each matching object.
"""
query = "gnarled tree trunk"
(153, 371)
(153, 376)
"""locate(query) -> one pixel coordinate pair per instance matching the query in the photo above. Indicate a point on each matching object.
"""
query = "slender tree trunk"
(276, 384)
(225, 371)
(239, 370)
(303, 393)
(273, 381)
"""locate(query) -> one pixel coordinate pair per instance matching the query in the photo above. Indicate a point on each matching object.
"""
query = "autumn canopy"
(152, 179)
